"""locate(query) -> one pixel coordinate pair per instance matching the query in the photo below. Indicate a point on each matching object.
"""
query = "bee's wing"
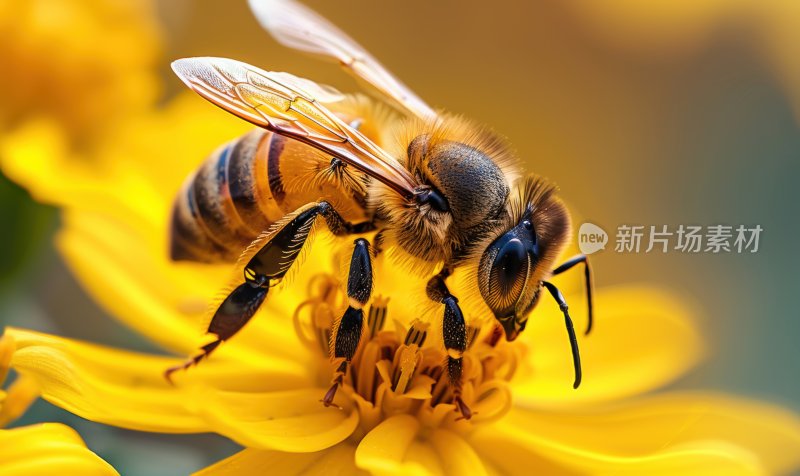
(299, 27)
(290, 106)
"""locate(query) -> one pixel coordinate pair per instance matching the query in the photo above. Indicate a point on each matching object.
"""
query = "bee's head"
(513, 266)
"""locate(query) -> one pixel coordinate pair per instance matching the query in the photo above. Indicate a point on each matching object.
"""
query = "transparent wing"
(291, 106)
(299, 27)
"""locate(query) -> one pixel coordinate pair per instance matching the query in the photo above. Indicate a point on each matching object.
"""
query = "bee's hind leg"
(348, 334)
(454, 334)
(278, 250)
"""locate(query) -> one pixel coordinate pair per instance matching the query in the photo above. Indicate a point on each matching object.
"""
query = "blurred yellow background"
(669, 114)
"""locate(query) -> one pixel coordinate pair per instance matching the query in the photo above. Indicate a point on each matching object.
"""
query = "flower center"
(404, 370)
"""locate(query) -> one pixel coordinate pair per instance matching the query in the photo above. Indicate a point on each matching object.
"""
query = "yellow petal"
(48, 448)
(458, 457)
(111, 262)
(37, 157)
(19, 397)
(522, 454)
(128, 389)
(339, 459)
(292, 420)
(396, 447)
(165, 301)
(642, 339)
(104, 385)
(699, 427)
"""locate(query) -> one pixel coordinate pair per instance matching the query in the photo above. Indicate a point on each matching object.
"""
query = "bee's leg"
(573, 341)
(587, 272)
(348, 334)
(278, 251)
(454, 333)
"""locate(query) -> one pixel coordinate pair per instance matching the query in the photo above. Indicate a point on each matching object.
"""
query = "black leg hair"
(454, 334)
(267, 266)
(587, 272)
(348, 334)
(573, 341)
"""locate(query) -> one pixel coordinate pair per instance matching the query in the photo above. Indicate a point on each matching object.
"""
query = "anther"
(417, 333)
(376, 316)
(409, 357)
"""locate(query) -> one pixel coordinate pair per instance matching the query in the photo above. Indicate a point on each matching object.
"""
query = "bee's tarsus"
(327, 400)
(462, 408)
(206, 350)
(338, 380)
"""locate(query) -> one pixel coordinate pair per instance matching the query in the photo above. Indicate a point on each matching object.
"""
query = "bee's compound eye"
(527, 225)
(508, 265)
(507, 275)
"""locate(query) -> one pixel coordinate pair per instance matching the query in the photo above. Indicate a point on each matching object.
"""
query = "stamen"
(393, 372)
(376, 316)
(409, 357)
(417, 333)
(322, 319)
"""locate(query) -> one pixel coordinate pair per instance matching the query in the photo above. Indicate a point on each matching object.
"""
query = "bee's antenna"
(573, 341)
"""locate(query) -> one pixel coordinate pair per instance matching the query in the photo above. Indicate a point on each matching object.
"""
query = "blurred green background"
(683, 120)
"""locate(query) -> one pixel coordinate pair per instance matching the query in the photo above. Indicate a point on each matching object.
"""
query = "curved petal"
(671, 431)
(399, 446)
(523, 454)
(458, 457)
(46, 449)
(293, 420)
(110, 263)
(339, 459)
(166, 301)
(128, 389)
(19, 396)
(384, 448)
(643, 338)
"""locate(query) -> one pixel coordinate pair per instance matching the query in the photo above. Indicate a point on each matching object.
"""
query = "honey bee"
(451, 196)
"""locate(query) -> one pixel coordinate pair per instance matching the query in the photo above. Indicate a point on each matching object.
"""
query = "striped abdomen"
(244, 187)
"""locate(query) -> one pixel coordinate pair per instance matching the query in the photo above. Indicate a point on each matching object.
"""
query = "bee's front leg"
(454, 334)
(269, 258)
(348, 334)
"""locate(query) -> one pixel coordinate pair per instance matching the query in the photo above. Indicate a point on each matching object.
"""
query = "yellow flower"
(38, 449)
(64, 61)
(262, 388)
